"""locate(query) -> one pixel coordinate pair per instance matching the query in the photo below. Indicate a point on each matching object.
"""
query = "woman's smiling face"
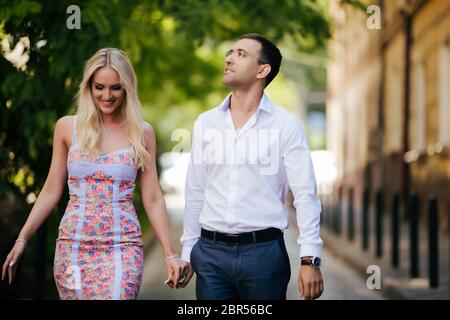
(107, 90)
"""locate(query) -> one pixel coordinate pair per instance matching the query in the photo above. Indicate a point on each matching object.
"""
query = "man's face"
(242, 63)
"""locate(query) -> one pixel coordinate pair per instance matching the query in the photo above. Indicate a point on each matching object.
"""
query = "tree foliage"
(173, 46)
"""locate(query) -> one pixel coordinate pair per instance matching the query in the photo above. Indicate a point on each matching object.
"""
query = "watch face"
(316, 263)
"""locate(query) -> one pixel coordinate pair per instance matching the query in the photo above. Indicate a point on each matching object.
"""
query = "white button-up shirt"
(238, 181)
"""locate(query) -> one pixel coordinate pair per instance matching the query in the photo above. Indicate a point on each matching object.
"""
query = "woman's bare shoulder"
(63, 129)
(149, 133)
(65, 121)
(148, 129)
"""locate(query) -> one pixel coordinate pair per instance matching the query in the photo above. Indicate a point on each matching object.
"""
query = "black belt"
(243, 238)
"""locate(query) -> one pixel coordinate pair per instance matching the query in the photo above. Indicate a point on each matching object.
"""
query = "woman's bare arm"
(153, 199)
(155, 208)
(48, 197)
(54, 184)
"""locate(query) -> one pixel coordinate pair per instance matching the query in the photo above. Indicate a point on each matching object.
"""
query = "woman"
(103, 148)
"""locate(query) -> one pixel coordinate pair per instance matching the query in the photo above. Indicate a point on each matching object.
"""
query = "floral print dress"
(99, 250)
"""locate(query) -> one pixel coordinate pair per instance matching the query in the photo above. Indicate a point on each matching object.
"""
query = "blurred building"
(388, 111)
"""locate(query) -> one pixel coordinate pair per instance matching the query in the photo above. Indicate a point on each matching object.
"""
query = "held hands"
(310, 282)
(13, 258)
(179, 272)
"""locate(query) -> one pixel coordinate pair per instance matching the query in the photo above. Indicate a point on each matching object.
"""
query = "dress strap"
(74, 131)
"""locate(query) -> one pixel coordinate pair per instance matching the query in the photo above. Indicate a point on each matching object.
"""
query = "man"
(245, 155)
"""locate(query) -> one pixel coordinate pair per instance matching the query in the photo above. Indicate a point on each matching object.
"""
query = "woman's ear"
(264, 70)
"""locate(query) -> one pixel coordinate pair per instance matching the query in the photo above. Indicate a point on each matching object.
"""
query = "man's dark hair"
(270, 54)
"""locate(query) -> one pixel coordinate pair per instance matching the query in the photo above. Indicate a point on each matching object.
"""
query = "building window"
(420, 112)
(444, 92)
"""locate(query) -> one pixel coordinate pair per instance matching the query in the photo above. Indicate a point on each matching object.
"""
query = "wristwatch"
(314, 262)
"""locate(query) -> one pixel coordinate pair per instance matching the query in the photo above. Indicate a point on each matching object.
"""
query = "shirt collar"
(264, 104)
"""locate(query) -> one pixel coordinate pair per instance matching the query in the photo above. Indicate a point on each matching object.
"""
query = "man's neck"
(245, 101)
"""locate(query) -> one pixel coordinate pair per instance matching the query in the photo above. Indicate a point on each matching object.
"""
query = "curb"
(389, 291)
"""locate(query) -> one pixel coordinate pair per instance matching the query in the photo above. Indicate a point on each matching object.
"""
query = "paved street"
(341, 282)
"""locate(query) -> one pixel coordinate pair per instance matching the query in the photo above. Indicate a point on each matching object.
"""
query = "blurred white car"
(324, 163)
(174, 169)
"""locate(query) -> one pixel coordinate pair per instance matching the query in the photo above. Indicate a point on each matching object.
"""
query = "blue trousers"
(256, 271)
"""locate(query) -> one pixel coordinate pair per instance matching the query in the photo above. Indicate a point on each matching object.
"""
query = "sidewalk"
(154, 274)
(396, 282)
(341, 282)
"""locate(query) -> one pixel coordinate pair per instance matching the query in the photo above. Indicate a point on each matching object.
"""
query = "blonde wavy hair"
(89, 120)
